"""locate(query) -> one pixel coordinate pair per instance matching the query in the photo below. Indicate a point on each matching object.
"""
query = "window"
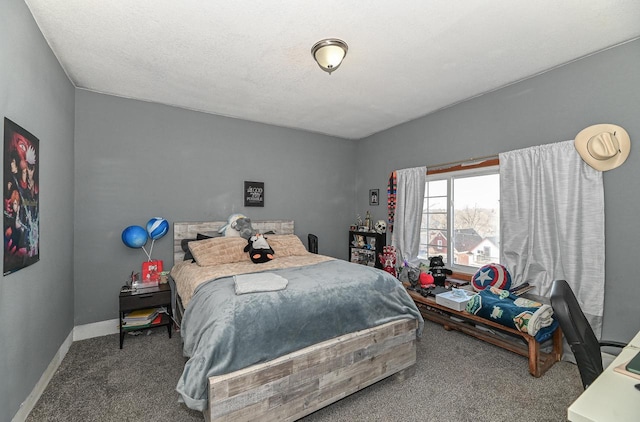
(461, 218)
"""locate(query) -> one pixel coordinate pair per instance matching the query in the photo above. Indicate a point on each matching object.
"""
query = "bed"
(280, 354)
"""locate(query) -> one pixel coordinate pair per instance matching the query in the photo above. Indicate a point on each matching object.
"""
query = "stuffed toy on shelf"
(438, 271)
(409, 274)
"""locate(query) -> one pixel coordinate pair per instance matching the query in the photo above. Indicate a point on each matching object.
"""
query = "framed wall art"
(254, 194)
(21, 197)
(374, 195)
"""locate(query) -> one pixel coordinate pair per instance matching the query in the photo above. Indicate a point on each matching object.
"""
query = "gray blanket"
(223, 332)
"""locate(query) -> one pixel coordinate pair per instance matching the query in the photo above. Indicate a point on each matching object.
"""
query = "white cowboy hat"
(603, 147)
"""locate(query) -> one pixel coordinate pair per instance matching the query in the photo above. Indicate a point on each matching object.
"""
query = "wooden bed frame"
(299, 383)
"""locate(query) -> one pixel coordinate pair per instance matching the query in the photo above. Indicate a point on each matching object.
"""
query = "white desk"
(612, 397)
(635, 342)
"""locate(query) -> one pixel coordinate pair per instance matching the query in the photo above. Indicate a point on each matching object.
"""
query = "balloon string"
(151, 250)
(147, 253)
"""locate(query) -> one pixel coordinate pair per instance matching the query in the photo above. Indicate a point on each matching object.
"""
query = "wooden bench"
(472, 325)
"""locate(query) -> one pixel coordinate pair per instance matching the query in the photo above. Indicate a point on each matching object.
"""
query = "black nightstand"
(146, 298)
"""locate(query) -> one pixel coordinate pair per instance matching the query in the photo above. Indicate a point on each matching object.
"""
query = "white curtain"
(408, 214)
(552, 223)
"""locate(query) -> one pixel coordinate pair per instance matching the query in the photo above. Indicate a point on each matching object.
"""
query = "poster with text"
(254, 194)
(21, 204)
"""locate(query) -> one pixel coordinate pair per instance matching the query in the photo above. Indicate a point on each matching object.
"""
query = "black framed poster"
(373, 196)
(254, 194)
(21, 194)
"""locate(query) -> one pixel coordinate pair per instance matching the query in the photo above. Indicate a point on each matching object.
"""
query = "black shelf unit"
(367, 254)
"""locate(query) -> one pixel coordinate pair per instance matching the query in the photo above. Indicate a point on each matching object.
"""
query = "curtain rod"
(469, 162)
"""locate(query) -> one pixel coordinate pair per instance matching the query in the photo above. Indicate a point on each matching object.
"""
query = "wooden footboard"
(297, 384)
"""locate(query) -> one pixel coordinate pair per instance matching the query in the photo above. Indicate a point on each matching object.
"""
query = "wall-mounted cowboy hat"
(603, 147)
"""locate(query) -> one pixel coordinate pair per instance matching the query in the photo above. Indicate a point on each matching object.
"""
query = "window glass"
(434, 219)
(461, 218)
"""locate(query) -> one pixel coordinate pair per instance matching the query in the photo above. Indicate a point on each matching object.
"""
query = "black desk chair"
(313, 243)
(579, 334)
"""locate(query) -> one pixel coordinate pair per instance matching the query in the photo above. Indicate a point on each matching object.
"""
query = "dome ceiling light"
(329, 53)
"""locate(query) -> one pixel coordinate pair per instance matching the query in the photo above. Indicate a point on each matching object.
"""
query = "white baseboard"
(27, 406)
(79, 332)
(96, 329)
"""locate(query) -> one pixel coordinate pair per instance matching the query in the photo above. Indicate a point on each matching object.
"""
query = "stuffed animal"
(414, 276)
(259, 249)
(232, 219)
(409, 274)
(426, 280)
(243, 226)
(437, 270)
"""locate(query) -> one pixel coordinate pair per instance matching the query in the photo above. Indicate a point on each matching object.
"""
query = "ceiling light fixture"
(329, 53)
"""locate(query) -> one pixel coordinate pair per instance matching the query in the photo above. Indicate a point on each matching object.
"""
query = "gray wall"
(552, 107)
(36, 303)
(136, 160)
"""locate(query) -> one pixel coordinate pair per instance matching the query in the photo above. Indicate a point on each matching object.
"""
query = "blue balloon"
(134, 237)
(157, 227)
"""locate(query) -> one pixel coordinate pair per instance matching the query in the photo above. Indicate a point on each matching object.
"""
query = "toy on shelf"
(426, 280)
(491, 275)
(438, 271)
(409, 274)
(380, 226)
(388, 259)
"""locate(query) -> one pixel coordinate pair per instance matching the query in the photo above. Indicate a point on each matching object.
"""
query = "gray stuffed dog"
(243, 225)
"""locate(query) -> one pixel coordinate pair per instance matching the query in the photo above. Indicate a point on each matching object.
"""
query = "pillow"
(219, 250)
(286, 245)
(184, 244)
(207, 235)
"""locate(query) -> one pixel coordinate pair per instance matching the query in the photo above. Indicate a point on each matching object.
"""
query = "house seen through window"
(461, 218)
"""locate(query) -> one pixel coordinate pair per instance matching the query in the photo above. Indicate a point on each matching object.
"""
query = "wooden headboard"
(189, 230)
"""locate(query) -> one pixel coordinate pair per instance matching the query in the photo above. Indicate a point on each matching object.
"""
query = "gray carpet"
(458, 378)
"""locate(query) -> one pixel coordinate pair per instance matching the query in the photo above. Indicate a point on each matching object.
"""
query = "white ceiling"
(251, 59)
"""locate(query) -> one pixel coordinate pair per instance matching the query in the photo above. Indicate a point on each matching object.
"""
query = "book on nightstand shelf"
(141, 314)
(145, 324)
(141, 318)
